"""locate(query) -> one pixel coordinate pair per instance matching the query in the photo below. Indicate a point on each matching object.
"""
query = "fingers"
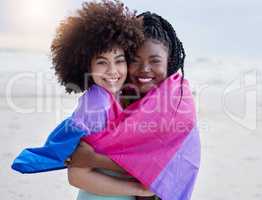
(67, 162)
(82, 156)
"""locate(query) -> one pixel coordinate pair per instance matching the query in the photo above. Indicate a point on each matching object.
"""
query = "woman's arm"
(101, 184)
(85, 156)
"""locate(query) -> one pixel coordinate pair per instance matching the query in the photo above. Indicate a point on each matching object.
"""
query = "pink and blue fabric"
(155, 139)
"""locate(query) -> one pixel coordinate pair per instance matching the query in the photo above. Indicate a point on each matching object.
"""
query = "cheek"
(123, 70)
(97, 73)
(97, 70)
(164, 69)
(161, 72)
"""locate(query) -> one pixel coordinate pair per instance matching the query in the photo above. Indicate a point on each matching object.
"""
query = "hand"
(83, 157)
(142, 191)
(146, 193)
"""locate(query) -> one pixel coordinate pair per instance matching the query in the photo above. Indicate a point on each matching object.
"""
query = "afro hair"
(96, 28)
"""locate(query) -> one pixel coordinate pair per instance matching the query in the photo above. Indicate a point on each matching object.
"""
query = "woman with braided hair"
(157, 60)
(160, 32)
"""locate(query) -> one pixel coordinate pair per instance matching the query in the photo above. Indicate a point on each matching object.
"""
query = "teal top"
(83, 195)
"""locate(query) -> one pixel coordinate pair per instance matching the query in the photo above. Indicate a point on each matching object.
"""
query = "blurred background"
(223, 43)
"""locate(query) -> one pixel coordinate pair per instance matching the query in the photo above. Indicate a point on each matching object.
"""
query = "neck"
(116, 95)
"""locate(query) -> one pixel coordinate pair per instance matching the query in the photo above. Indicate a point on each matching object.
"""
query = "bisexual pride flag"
(155, 139)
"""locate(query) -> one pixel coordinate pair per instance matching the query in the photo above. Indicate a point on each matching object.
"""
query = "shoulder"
(92, 109)
(94, 98)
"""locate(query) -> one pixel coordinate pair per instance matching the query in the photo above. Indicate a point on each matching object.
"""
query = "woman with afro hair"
(90, 54)
(94, 47)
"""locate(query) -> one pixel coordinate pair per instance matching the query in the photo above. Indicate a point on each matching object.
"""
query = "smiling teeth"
(145, 80)
(112, 80)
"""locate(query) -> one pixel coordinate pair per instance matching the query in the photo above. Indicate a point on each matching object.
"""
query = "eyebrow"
(102, 57)
(119, 56)
(155, 56)
(151, 56)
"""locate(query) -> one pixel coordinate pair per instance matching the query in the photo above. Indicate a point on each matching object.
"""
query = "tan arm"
(85, 156)
(101, 184)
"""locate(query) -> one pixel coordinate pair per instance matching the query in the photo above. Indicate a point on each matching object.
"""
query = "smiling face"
(109, 70)
(149, 66)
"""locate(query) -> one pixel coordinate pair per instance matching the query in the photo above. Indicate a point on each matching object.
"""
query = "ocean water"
(217, 83)
(30, 73)
(27, 74)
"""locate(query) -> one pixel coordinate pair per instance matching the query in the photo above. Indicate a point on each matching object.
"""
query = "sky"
(217, 28)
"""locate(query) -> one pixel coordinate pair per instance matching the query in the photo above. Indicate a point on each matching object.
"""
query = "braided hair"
(157, 28)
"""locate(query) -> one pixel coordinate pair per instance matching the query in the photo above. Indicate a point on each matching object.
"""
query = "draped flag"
(155, 139)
